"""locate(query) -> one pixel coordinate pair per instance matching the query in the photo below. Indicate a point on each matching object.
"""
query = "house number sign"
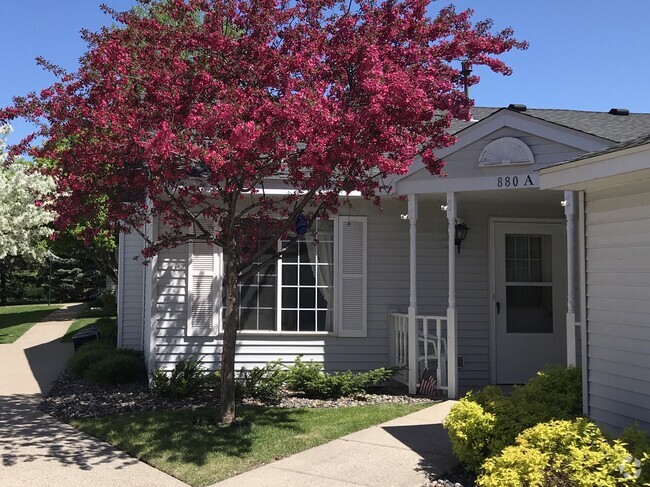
(514, 181)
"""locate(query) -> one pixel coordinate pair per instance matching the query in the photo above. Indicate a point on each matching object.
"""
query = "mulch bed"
(72, 398)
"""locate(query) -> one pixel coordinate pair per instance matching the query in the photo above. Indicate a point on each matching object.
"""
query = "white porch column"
(569, 211)
(412, 331)
(452, 352)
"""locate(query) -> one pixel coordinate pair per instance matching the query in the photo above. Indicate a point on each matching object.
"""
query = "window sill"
(286, 333)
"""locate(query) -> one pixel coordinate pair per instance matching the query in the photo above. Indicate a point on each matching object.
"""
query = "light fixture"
(461, 232)
(564, 202)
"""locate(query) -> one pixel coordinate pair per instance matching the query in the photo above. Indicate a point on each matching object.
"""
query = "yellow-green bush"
(470, 429)
(555, 393)
(561, 453)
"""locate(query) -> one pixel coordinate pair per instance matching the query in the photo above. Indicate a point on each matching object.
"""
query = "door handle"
(498, 307)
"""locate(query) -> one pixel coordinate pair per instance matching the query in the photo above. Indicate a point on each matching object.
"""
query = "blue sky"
(583, 55)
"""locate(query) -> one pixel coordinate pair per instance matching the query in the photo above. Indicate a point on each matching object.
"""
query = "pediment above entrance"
(502, 151)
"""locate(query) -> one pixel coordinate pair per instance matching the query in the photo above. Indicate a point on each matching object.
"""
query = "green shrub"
(638, 444)
(470, 430)
(560, 453)
(109, 301)
(187, 378)
(117, 367)
(309, 378)
(555, 393)
(87, 355)
(264, 384)
(103, 364)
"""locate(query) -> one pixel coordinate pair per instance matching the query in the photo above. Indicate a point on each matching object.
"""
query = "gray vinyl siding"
(618, 305)
(388, 289)
(387, 254)
(388, 275)
(131, 289)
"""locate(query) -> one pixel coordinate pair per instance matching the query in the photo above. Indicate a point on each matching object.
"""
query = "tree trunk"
(231, 323)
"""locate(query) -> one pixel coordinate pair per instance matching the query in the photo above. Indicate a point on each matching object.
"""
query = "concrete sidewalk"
(35, 448)
(404, 452)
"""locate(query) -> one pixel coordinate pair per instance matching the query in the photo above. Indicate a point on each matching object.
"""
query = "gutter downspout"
(582, 249)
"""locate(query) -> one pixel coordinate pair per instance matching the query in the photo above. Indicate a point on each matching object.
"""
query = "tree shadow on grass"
(29, 435)
(190, 436)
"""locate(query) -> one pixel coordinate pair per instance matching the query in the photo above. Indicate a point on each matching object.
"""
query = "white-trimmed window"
(306, 291)
(318, 286)
(296, 293)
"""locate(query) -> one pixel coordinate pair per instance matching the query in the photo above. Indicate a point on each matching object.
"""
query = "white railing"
(432, 346)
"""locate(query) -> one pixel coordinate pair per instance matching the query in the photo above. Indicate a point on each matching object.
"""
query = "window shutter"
(351, 277)
(204, 289)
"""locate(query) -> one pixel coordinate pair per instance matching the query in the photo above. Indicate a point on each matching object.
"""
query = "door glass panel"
(528, 258)
(529, 297)
(529, 309)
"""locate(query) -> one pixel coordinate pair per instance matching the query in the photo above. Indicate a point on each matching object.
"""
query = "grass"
(16, 320)
(97, 318)
(190, 446)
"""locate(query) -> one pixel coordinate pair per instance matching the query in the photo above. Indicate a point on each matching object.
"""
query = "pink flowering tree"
(191, 108)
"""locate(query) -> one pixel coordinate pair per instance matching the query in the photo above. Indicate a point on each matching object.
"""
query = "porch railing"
(432, 346)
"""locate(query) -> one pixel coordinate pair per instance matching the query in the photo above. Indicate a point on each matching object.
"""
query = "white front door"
(530, 299)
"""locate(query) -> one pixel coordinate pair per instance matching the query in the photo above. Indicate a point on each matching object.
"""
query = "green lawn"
(17, 319)
(92, 318)
(188, 444)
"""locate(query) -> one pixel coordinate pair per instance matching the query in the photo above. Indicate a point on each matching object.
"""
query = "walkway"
(36, 449)
(404, 452)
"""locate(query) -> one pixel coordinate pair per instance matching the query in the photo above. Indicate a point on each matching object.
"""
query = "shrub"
(638, 444)
(103, 364)
(117, 367)
(264, 384)
(555, 393)
(567, 453)
(309, 378)
(470, 430)
(109, 301)
(86, 356)
(187, 377)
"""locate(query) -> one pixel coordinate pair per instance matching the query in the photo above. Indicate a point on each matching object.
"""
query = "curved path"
(35, 448)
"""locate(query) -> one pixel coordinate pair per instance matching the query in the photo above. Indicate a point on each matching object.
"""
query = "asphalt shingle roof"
(638, 142)
(617, 128)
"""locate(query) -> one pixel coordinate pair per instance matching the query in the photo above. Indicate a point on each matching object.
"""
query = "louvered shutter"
(352, 277)
(204, 286)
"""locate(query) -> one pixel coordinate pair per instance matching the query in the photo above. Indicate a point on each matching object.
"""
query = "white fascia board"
(481, 183)
(284, 192)
(606, 169)
(517, 121)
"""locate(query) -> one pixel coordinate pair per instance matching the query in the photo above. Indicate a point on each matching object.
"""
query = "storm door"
(529, 300)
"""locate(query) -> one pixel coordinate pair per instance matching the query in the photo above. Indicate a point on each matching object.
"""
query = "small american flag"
(427, 384)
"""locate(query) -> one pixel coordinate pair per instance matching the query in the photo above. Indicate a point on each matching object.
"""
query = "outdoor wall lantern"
(461, 232)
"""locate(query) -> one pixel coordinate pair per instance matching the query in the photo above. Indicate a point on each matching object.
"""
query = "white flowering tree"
(23, 221)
